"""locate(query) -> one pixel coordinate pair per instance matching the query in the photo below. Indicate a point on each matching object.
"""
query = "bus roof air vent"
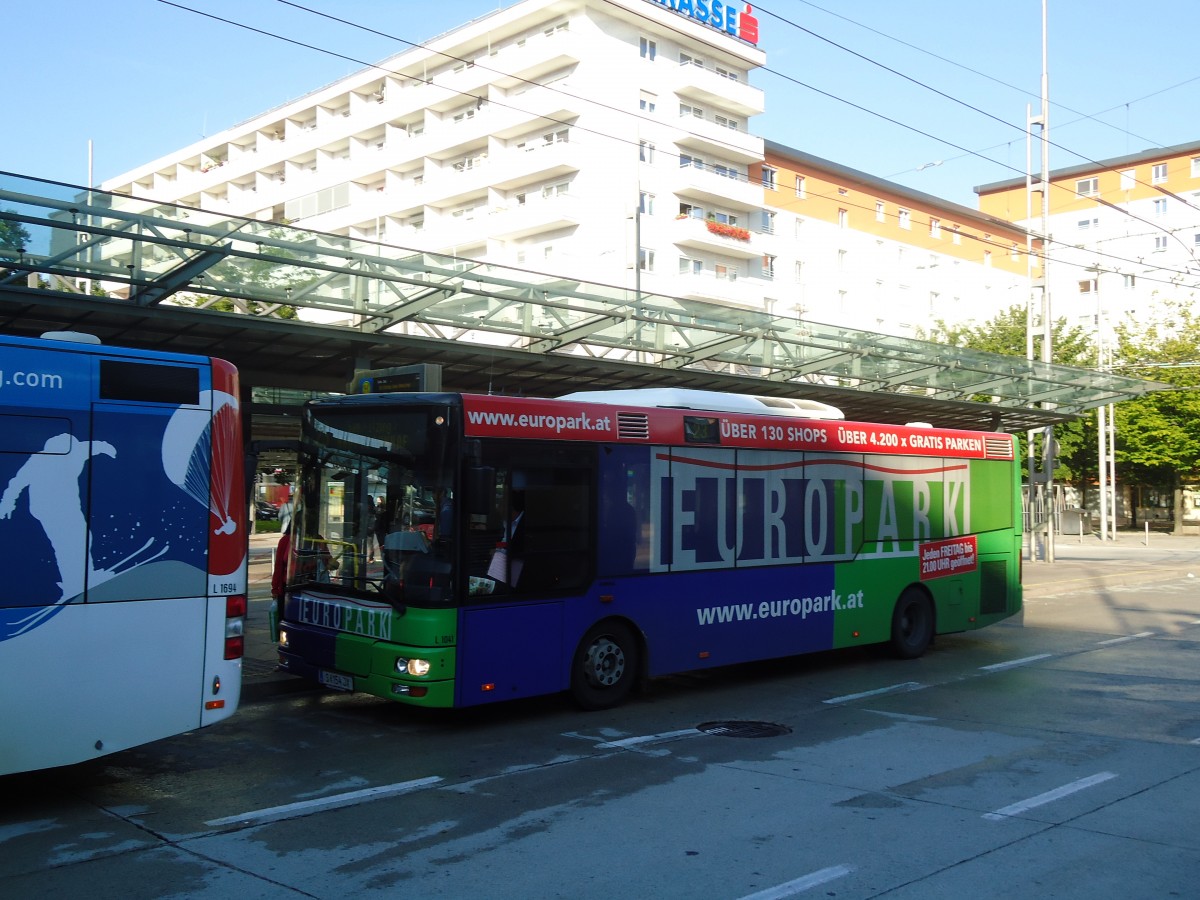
(633, 426)
(998, 447)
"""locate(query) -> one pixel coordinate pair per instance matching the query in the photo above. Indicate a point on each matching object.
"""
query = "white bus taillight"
(235, 626)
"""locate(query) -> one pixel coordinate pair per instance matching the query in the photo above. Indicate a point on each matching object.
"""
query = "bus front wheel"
(912, 624)
(605, 666)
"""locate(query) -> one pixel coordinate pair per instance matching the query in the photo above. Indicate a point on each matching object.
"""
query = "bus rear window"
(149, 383)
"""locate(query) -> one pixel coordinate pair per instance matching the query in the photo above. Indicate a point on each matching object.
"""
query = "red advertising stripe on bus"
(950, 557)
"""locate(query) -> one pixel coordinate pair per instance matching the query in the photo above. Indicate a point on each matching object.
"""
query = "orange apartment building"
(1123, 233)
(851, 248)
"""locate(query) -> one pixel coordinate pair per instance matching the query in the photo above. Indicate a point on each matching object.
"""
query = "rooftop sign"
(719, 15)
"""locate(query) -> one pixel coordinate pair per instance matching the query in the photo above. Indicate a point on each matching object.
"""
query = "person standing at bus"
(279, 563)
(379, 527)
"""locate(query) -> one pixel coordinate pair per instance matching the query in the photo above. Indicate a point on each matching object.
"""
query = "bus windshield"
(374, 512)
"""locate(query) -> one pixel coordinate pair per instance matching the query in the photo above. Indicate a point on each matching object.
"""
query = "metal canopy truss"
(361, 298)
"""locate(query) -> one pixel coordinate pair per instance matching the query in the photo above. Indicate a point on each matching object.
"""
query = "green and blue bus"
(455, 549)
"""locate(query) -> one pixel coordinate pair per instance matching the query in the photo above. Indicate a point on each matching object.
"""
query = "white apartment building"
(544, 136)
(1124, 234)
(606, 141)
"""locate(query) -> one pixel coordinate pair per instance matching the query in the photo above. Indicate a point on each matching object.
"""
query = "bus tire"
(912, 624)
(605, 666)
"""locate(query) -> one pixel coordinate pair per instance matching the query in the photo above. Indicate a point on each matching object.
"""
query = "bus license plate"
(336, 680)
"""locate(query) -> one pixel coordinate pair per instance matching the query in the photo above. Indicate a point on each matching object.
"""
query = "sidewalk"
(1079, 562)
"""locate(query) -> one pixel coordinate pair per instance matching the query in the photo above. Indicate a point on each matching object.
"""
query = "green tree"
(253, 278)
(1071, 345)
(1158, 434)
(13, 235)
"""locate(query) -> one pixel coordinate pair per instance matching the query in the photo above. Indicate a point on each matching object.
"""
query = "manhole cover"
(744, 729)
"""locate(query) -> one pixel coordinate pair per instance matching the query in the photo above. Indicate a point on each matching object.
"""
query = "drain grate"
(744, 729)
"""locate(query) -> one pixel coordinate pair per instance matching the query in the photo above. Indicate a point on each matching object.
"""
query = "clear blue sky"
(140, 78)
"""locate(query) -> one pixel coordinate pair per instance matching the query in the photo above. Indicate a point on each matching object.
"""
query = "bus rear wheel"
(605, 666)
(912, 624)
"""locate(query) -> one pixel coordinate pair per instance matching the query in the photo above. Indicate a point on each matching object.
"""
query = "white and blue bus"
(123, 528)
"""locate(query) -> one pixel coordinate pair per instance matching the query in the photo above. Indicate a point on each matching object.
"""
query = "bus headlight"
(416, 667)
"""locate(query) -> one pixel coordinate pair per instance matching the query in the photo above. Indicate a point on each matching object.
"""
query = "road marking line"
(791, 888)
(335, 801)
(1129, 637)
(647, 739)
(1013, 663)
(1016, 809)
(903, 686)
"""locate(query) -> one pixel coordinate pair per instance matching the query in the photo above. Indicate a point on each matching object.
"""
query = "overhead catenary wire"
(629, 141)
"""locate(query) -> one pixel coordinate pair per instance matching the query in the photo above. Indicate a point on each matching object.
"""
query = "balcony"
(710, 89)
(512, 223)
(728, 288)
(711, 187)
(712, 139)
(535, 163)
(708, 236)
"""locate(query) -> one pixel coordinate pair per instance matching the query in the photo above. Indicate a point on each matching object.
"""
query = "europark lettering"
(719, 15)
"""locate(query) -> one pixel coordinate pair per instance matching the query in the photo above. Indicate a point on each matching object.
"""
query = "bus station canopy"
(300, 309)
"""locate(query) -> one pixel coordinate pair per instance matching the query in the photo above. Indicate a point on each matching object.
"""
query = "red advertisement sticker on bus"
(952, 557)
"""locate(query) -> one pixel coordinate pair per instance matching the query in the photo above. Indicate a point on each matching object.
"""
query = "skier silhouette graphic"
(52, 480)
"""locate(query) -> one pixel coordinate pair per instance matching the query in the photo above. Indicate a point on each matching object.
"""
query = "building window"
(1159, 173)
(1160, 206)
(798, 272)
(801, 190)
(648, 49)
(687, 210)
(1128, 179)
(768, 177)
(686, 110)
(768, 221)
(768, 266)
(1160, 242)
(880, 211)
(686, 160)
(646, 204)
(1128, 281)
(841, 260)
(724, 122)
(688, 266)
(904, 218)
(956, 237)
(645, 259)
(1087, 187)
(1196, 166)
(551, 191)
(1013, 253)
(935, 227)
(987, 257)
(843, 218)
(647, 103)
(1087, 286)
(686, 60)
(1085, 224)
(646, 152)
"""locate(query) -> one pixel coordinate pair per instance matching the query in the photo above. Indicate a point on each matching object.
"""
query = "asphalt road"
(1055, 757)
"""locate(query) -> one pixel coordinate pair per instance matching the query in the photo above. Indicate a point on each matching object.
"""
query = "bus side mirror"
(481, 486)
